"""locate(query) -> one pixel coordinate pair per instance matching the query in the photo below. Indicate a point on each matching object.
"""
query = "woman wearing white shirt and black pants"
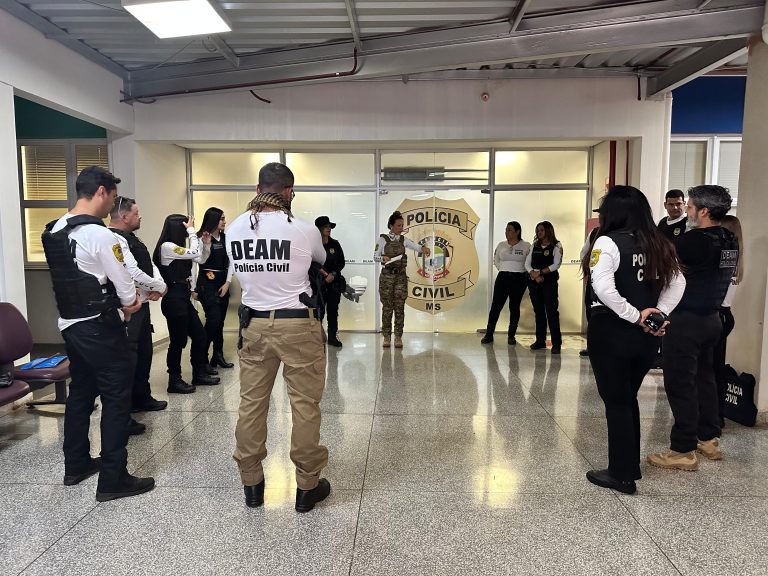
(174, 260)
(509, 258)
(542, 264)
(633, 272)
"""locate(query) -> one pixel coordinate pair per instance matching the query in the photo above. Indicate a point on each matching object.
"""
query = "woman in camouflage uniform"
(393, 281)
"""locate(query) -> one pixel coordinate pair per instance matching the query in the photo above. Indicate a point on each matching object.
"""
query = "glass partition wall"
(457, 202)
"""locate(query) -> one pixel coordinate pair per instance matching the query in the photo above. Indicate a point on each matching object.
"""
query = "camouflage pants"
(393, 290)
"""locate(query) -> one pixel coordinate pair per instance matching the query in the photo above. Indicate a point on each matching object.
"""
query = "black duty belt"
(284, 313)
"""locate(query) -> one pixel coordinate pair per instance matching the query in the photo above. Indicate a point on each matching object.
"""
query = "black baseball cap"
(321, 221)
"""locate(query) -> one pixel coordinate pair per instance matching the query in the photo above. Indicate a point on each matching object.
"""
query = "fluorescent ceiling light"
(175, 18)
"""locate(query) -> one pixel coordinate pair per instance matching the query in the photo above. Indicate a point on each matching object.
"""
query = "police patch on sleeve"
(594, 258)
(179, 250)
(118, 252)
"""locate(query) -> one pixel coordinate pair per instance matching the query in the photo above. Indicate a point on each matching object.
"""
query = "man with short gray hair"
(709, 254)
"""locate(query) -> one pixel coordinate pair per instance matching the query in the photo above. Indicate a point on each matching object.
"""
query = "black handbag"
(740, 397)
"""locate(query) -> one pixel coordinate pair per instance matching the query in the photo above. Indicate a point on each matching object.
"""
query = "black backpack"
(740, 397)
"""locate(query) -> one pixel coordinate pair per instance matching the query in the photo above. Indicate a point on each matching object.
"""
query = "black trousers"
(508, 285)
(215, 308)
(689, 377)
(99, 366)
(183, 322)
(332, 298)
(621, 355)
(544, 298)
(140, 347)
(726, 317)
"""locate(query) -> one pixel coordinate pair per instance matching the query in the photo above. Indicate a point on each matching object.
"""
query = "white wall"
(11, 251)
(599, 109)
(748, 345)
(160, 180)
(45, 71)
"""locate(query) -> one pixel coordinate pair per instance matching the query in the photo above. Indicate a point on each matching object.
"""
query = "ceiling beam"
(446, 49)
(354, 24)
(700, 63)
(225, 50)
(46, 27)
(517, 15)
(519, 73)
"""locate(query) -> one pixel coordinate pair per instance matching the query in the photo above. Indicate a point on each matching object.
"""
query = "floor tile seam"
(67, 531)
(647, 533)
(573, 443)
(365, 474)
(171, 439)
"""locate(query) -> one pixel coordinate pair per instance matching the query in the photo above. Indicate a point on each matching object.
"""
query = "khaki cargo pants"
(296, 343)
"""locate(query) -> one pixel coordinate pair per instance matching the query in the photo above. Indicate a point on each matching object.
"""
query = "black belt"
(284, 313)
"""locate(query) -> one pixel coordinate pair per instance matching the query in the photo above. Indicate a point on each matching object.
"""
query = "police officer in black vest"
(213, 281)
(674, 225)
(333, 284)
(92, 287)
(632, 271)
(124, 221)
(542, 265)
(709, 254)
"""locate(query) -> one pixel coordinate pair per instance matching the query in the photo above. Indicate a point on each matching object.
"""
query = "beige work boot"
(710, 449)
(672, 460)
(387, 342)
(398, 342)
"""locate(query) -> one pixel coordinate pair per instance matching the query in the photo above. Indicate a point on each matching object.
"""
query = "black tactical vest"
(542, 257)
(177, 272)
(78, 294)
(630, 278)
(139, 251)
(707, 282)
(673, 231)
(218, 260)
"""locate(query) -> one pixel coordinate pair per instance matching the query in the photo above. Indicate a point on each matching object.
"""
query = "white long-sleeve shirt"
(98, 253)
(511, 258)
(604, 284)
(197, 251)
(144, 282)
(557, 254)
(380, 243)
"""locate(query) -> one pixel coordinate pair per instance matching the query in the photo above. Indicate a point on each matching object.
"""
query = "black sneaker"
(511, 341)
(130, 486)
(333, 341)
(136, 428)
(150, 405)
(538, 346)
(604, 479)
(584, 353)
(208, 369)
(306, 499)
(555, 350)
(72, 479)
(487, 339)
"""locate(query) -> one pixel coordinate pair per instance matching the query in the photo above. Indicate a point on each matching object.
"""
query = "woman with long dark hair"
(542, 265)
(726, 316)
(509, 259)
(174, 260)
(212, 285)
(633, 272)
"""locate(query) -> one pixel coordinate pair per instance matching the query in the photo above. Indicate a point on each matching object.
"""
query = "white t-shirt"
(272, 262)
(508, 258)
(604, 284)
(730, 295)
(98, 253)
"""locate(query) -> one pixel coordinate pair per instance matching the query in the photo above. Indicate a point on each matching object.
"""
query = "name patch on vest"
(729, 258)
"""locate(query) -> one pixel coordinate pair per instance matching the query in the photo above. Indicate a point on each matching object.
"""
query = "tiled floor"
(447, 457)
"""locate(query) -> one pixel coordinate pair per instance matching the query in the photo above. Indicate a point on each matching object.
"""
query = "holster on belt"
(244, 315)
